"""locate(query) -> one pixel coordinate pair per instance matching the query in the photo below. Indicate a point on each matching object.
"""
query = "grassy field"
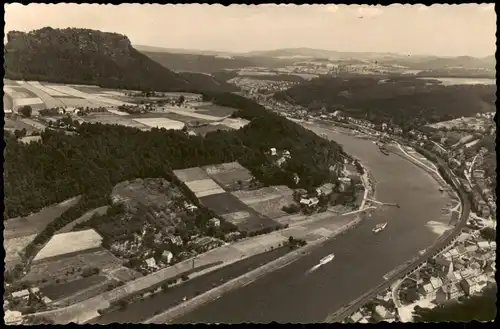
(63, 290)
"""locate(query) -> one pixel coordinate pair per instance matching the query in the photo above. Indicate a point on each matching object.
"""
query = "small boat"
(327, 259)
(379, 227)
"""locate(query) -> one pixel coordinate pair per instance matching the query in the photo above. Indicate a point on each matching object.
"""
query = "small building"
(273, 151)
(24, 294)
(381, 313)
(167, 256)
(436, 282)
(151, 263)
(428, 290)
(356, 317)
(309, 202)
(215, 222)
(485, 245)
(470, 286)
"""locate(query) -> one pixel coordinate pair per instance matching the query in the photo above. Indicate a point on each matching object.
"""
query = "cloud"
(332, 8)
(370, 11)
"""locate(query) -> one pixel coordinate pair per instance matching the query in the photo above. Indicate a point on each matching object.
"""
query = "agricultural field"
(35, 223)
(64, 290)
(146, 192)
(223, 203)
(111, 119)
(463, 123)
(204, 188)
(71, 267)
(172, 116)
(161, 123)
(191, 174)
(216, 110)
(203, 130)
(72, 242)
(191, 113)
(272, 208)
(124, 274)
(17, 124)
(231, 176)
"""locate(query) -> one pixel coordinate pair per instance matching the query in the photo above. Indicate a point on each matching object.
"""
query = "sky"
(442, 30)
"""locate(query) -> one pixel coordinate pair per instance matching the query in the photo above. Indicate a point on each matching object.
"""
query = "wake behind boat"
(379, 227)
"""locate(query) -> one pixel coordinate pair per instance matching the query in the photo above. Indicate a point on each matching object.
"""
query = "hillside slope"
(86, 56)
(405, 101)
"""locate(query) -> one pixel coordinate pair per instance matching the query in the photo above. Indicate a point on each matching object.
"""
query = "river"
(363, 258)
(464, 81)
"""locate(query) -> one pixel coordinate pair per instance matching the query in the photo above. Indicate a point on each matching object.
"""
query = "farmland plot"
(63, 290)
(7, 82)
(111, 119)
(48, 89)
(48, 100)
(223, 203)
(256, 223)
(216, 110)
(13, 124)
(18, 92)
(35, 223)
(161, 123)
(231, 176)
(272, 208)
(65, 266)
(192, 113)
(204, 188)
(203, 130)
(35, 124)
(191, 174)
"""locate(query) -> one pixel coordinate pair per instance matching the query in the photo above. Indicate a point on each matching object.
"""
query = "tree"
(25, 111)
(489, 233)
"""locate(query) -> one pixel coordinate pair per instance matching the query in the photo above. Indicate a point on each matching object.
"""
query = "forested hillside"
(99, 156)
(402, 100)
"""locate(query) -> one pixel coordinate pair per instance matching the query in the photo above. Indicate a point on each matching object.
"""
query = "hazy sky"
(447, 30)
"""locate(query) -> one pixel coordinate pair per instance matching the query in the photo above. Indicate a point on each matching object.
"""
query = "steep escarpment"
(85, 56)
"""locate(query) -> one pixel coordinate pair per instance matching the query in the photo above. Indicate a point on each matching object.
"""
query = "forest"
(405, 101)
(99, 156)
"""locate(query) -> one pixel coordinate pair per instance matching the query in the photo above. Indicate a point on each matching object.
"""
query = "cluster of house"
(382, 310)
(463, 270)
(254, 87)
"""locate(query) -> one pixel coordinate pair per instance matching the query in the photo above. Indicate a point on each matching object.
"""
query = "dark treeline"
(404, 101)
(99, 156)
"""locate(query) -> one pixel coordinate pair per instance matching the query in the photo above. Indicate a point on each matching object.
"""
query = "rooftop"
(70, 242)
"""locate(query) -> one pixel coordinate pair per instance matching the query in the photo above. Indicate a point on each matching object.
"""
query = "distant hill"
(405, 101)
(86, 56)
(197, 63)
(144, 49)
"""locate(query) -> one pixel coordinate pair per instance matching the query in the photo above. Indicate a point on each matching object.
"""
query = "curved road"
(362, 259)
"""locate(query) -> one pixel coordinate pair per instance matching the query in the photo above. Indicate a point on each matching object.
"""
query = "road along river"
(362, 259)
